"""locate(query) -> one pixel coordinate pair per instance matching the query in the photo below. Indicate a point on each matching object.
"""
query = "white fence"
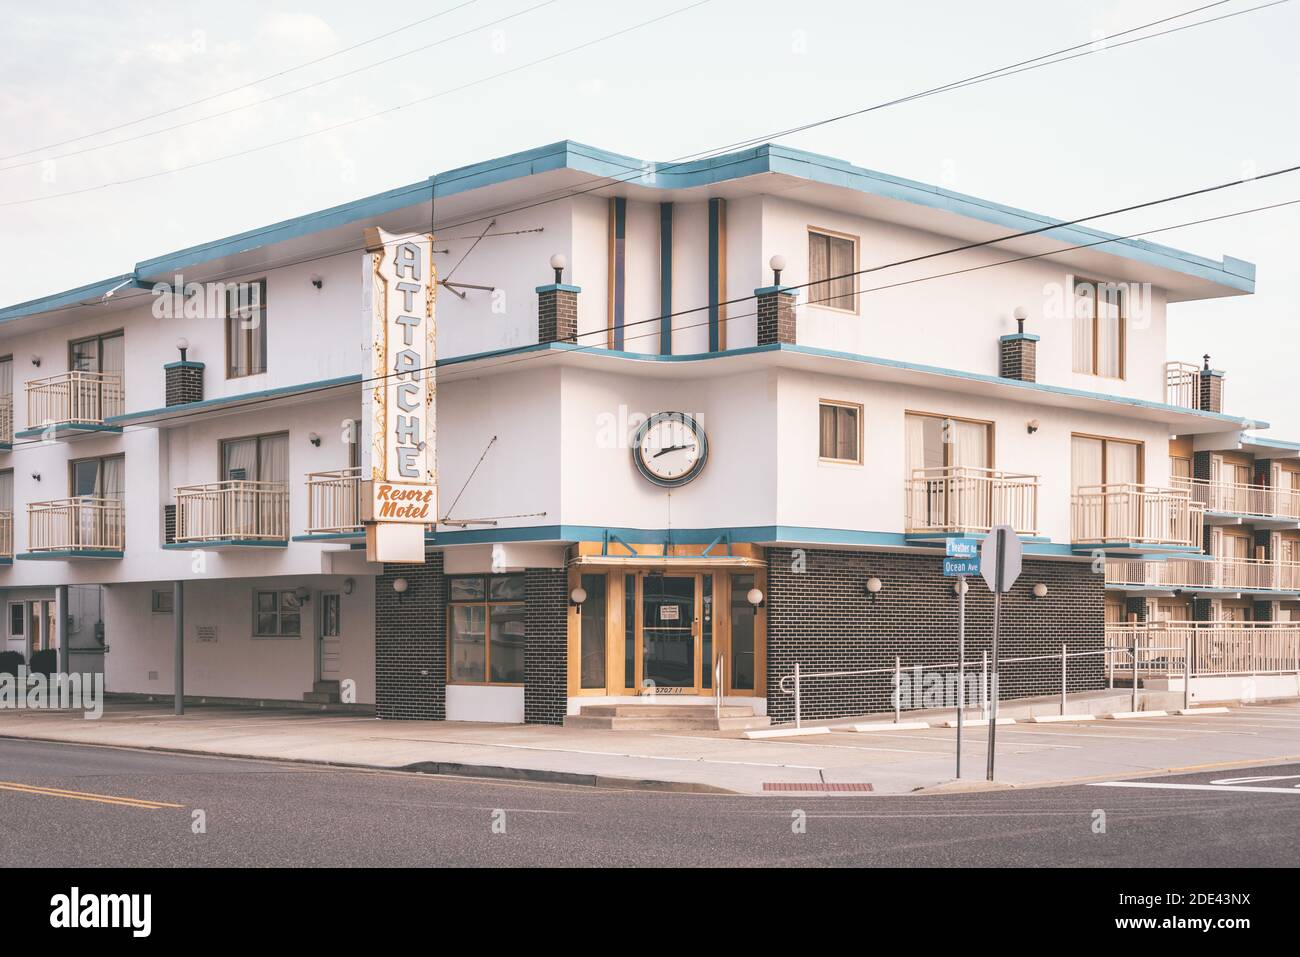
(83, 523)
(74, 398)
(964, 499)
(253, 511)
(1129, 513)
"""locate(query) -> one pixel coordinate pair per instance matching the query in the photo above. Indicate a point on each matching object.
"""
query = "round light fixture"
(578, 596)
(400, 585)
(754, 597)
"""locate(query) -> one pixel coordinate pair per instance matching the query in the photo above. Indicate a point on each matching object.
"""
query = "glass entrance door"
(669, 634)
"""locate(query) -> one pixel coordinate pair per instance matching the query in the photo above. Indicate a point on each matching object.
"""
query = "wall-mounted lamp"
(36, 361)
(754, 596)
(960, 587)
(36, 476)
(1020, 314)
(303, 594)
(348, 585)
(400, 585)
(317, 281)
(314, 439)
(1031, 426)
(777, 263)
(183, 345)
(577, 597)
(873, 587)
(1040, 590)
(558, 262)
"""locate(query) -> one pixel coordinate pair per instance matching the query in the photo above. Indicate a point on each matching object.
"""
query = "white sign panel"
(403, 397)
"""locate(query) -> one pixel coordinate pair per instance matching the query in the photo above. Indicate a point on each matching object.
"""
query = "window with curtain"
(276, 614)
(245, 329)
(485, 629)
(1097, 461)
(832, 261)
(592, 623)
(1100, 329)
(258, 458)
(840, 428)
(934, 441)
(6, 376)
(7, 490)
(104, 353)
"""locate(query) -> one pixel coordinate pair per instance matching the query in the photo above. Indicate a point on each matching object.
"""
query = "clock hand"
(671, 448)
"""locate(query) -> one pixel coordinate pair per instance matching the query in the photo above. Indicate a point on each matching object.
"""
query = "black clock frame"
(691, 424)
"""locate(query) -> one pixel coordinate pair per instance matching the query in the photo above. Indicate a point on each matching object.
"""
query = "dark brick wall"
(184, 383)
(557, 315)
(411, 642)
(1018, 358)
(822, 618)
(1135, 607)
(546, 630)
(776, 318)
(1211, 392)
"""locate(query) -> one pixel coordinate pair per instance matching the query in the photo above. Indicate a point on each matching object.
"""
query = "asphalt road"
(74, 806)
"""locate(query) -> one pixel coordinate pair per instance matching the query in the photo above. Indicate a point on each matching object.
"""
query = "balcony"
(1237, 575)
(82, 527)
(960, 500)
(73, 402)
(1203, 648)
(6, 421)
(232, 513)
(1261, 504)
(6, 538)
(1135, 517)
(1183, 384)
(334, 502)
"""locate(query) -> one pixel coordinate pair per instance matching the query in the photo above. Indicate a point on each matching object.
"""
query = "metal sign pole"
(995, 691)
(961, 664)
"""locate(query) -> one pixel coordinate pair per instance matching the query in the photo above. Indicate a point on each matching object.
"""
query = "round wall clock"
(670, 449)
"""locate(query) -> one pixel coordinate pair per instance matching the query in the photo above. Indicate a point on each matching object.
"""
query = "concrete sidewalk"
(890, 761)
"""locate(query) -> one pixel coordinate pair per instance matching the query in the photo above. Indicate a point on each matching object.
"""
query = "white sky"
(1195, 108)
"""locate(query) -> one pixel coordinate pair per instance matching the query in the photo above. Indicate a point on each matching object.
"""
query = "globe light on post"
(754, 597)
(183, 345)
(558, 262)
(1020, 314)
(873, 587)
(777, 263)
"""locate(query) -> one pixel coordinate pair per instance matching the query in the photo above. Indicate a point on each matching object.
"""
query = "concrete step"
(321, 697)
(328, 686)
(668, 710)
(667, 722)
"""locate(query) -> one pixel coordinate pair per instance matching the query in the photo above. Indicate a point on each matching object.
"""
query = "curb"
(1125, 715)
(1053, 718)
(883, 726)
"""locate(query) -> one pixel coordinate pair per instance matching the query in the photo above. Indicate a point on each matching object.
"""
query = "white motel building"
(660, 465)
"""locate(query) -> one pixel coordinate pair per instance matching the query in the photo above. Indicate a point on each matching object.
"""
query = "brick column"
(1211, 388)
(411, 642)
(184, 382)
(546, 644)
(776, 316)
(1018, 356)
(557, 313)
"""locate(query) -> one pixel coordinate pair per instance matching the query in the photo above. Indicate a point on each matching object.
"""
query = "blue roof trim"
(65, 429)
(1271, 443)
(90, 292)
(766, 158)
(224, 400)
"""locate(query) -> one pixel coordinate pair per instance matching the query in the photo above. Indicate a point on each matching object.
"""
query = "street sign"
(1002, 541)
(960, 567)
(963, 547)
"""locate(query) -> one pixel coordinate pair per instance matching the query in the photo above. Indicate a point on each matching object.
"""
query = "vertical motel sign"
(399, 464)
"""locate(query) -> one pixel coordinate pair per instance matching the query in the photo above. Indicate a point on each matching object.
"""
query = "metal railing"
(1240, 574)
(236, 509)
(1262, 500)
(966, 499)
(7, 419)
(334, 501)
(74, 398)
(1213, 648)
(1126, 512)
(73, 524)
(1183, 384)
(6, 534)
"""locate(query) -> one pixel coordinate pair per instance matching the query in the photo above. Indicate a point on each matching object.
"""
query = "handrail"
(233, 509)
(1129, 512)
(1244, 574)
(1183, 384)
(7, 419)
(82, 522)
(1264, 500)
(74, 398)
(334, 501)
(971, 499)
(7, 534)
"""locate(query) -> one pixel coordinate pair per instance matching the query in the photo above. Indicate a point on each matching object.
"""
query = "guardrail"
(1183, 384)
(965, 499)
(334, 501)
(6, 419)
(1128, 513)
(73, 524)
(236, 509)
(6, 534)
(1264, 501)
(74, 398)
(1242, 574)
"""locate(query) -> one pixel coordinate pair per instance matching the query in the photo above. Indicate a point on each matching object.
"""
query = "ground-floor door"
(329, 637)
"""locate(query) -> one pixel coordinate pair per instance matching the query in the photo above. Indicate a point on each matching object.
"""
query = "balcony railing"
(1257, 500)
(74, 398)
(6, 419)
(217, 511)
(76, 524)
(1215, 647)
(334, 501)
(1183, 384)
(1229, 574)
(6, 534)
(964, 499)
(1127, 513)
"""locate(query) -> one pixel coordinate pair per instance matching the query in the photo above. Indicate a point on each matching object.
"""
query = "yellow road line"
(86, 796)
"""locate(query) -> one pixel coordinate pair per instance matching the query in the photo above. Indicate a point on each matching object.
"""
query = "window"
(103, 353)
(832, 260)
(941, 442)
(1100, 461)
(1100, 329)
(245, 329)
(592, 625)
(258, 458)
(331, 615)
(98, 477)
(841, 432)
(276, 614)
(7, 491)
(17, 619)
(6, 398)
(161, 601)
(485, 629)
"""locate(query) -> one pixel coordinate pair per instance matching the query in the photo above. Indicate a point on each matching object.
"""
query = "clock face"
(670, 448)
